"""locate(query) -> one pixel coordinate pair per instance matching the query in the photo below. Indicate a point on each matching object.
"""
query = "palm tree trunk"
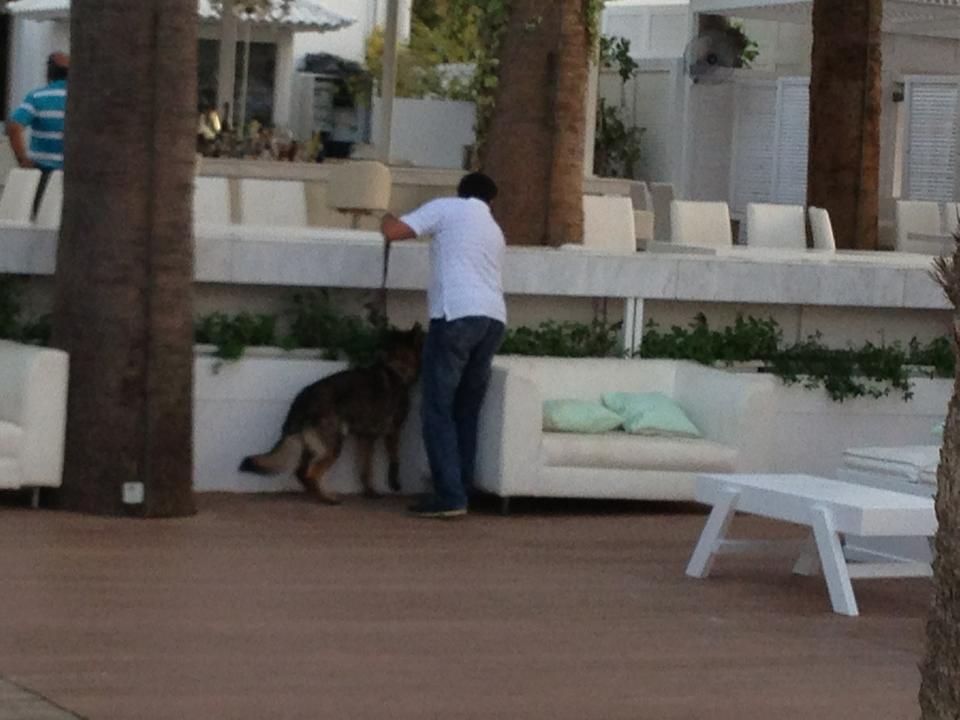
(845, 97)
(125, 257)
(535, 144)
(940, 670)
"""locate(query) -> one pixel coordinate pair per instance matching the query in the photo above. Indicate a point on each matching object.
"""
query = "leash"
(382, 299)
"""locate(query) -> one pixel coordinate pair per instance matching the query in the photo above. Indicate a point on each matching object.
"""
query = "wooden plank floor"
(271, 607)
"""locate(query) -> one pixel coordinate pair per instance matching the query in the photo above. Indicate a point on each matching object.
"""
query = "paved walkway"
(275, 608)
(16, 703)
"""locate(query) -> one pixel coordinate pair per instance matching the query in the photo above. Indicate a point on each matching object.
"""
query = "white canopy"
(299, 14)
(933, 18)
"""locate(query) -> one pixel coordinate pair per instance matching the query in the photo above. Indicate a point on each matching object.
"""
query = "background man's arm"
(18, 143)
(395, 229)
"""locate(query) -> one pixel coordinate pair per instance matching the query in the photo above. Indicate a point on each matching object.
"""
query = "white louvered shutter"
(931, 143)
(793, 122)
(754, 133)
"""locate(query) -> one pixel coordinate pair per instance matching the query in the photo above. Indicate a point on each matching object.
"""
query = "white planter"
(239, 407)
(812, 431)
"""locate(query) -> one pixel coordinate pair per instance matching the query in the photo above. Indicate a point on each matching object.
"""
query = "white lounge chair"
(780, 227)
(662, 196)
(700, 224)
(19, 192)
(822, 230)
(33, 412)
(51, 204)
(915, 216)
(274, 203)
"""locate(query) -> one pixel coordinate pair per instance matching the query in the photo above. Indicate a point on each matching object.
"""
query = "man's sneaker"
(433, 508)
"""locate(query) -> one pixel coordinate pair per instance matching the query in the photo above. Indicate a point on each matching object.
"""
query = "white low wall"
(240, 406)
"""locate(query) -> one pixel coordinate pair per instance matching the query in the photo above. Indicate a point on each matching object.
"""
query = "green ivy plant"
(617, 145)
(232, 335)
(563, 339)
(615, 52)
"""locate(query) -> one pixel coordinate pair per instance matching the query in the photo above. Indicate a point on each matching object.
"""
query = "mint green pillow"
(578, 416)
(651, 414)
(938, 429)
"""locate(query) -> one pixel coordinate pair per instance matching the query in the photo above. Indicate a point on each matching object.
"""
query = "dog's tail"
(282, 458)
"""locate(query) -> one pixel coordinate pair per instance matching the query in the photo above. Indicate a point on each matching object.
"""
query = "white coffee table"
(830, 508)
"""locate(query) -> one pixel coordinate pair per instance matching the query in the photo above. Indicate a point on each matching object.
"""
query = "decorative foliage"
(232, 335)
(616, 146)
(563, 339)
(12, 327)
(615, 51)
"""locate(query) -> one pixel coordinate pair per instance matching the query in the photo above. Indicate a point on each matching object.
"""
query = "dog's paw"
(249, 466)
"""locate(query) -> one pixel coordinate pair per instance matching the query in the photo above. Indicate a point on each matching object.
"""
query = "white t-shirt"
(466, 258)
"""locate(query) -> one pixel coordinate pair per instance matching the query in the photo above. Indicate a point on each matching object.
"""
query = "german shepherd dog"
(368, 403)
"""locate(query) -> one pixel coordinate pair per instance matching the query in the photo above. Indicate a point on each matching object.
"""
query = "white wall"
(30, 44)
(655, 30)
(350, 42)
(429, 133)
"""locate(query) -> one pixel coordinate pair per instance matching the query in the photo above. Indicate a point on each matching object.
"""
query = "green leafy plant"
(234, 334)
(616, 148)
(748, 339)
(749, 47)
(563, 339)
(939, 355)
(316, 323)
(615, 52)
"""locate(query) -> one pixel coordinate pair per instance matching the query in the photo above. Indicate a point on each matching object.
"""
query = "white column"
(284, 77)
(388, 83)
(227, 62)
(593, 85)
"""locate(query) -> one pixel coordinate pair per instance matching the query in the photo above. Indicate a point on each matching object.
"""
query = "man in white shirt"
(467, 321)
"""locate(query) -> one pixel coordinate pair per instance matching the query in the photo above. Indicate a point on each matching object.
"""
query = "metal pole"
(388, 83)
(227, 64)
(242, 114)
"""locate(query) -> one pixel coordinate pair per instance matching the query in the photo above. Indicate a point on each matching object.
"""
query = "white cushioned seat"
(608, 224)
(50, 209)
(822, 230)
(11, 439)
(279, 203)
(16, 202)
(360, 186)
(916, 216)
(776, 226)
(700, 224)
(211, 201)
(928, 476)
(905, 463)
(623, 451)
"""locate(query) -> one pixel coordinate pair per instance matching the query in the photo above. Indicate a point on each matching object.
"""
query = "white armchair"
(776, 226)
(516, 457)
(33, 411)
(700, 224)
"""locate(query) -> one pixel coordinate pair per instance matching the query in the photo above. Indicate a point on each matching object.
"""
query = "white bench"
(830, 508)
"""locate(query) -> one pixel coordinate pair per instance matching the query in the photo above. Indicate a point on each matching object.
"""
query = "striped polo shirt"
(43, 111)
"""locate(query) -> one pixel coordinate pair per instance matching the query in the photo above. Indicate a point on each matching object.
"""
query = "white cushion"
(623, 451)
(907, 462)
(11, 477)
(928, 476)
(11, 439)
(279, 203)
(16, 203)
(776, 226)
(608, 224)
(822, 229)
(51, 204)
(704, 224)
(359, 185)
(914, 216)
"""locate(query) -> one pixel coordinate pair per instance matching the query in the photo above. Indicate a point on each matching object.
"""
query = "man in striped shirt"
(42, 111)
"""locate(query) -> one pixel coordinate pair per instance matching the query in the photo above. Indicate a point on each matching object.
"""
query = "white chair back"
(608, 224)
(916, 216)
(776, 226)
(662, 196)
(643, 223)
(822, 230)
(951, 218)
(700, 224)
(277, 203)
(211, 201)
(359, 186)
(51, 204)
(16, 203)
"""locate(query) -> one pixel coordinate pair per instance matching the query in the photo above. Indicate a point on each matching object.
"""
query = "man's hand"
(394, 229)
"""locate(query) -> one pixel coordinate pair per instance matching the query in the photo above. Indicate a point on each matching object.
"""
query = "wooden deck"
(274, 608)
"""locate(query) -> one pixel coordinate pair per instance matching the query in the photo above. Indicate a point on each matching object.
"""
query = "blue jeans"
(456, 371)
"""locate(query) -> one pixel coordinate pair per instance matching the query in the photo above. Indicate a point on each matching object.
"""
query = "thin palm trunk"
(535, 143)
(940, 670)
(845, 98)
(125, 257)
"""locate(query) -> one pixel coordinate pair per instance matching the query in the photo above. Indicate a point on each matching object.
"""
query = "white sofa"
(734, 411)
(33, 412)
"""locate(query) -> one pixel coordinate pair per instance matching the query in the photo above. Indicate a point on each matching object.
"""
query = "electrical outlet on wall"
(132, 493)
